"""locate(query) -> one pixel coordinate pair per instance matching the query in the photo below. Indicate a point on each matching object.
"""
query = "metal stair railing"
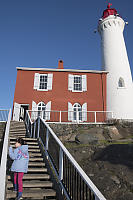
(4, 158)
(74, 182)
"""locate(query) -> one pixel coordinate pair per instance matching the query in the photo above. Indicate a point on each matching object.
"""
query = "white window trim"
(38, 89)
(40, 103)
(39, 82)
(71, 83)
(121, 88)
(42, 90)
(71, 112)
(78, 111)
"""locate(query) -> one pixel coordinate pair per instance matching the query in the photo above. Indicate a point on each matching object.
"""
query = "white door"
(16, 112)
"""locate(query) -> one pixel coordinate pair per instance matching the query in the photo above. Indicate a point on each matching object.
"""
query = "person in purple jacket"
(20, 165)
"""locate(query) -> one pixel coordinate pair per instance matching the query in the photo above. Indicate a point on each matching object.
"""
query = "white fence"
(72, 116)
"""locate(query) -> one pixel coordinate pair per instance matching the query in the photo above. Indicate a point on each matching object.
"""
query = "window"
(41, 108)
(77, 112)
(77, 83)
(43, 82)
(121, 82)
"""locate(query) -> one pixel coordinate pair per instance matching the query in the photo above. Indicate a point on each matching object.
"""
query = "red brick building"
(71, 90)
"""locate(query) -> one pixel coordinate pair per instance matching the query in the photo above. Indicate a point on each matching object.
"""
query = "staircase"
(2, 131)
(36, 183)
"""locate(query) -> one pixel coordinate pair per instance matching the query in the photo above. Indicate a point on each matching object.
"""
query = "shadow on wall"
(119, 154)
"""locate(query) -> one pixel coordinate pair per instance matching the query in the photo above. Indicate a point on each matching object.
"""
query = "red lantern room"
(109, 11)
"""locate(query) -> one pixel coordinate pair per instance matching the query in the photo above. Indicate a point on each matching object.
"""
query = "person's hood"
(24, 148)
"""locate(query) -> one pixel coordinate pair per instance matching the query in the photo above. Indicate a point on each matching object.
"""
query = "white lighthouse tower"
(115, 61)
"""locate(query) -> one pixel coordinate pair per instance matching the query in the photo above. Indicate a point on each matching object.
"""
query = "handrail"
(71, 111)
(44, 134)
(4, 159)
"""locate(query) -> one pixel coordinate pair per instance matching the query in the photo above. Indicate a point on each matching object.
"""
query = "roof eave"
(60, 70)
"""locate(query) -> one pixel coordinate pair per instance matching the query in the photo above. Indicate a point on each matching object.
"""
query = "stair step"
(24, 138)
(17, 130)
(16, 122)
(33, 184)
(34, 150)
(32, 154)
(30, 150)
(32, 143)
(33, 176)
(17, 127)
(37, 169)
(29, 146)
(33, 193)
(18, 135)
(36, 159)
(38, 164)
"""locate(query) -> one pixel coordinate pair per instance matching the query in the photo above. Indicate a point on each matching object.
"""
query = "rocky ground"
(106, 155)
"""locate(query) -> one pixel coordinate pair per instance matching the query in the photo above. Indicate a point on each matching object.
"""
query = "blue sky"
(37, 33)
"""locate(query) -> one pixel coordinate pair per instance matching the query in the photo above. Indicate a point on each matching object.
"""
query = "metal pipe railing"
(4, 159)
(73, 180)
(80, 117)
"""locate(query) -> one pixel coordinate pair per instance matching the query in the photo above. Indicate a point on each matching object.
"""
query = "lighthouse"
(115, 61)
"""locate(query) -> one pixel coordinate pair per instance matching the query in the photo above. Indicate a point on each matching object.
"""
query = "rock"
(114, 133)
(91, 175)
(111, 132)
(115, 179)
(86, 139)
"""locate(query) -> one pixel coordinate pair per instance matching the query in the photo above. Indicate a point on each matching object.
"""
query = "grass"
(101, 142)
(70, 145)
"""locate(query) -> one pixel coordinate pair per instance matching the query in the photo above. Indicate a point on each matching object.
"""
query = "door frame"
(21, 106)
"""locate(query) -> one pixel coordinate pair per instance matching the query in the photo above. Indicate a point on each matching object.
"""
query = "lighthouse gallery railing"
(74, 182)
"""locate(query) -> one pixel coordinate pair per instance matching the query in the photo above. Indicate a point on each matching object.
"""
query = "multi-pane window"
(41, 110)
(43, 82)
(77, 112)
(78, 83)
